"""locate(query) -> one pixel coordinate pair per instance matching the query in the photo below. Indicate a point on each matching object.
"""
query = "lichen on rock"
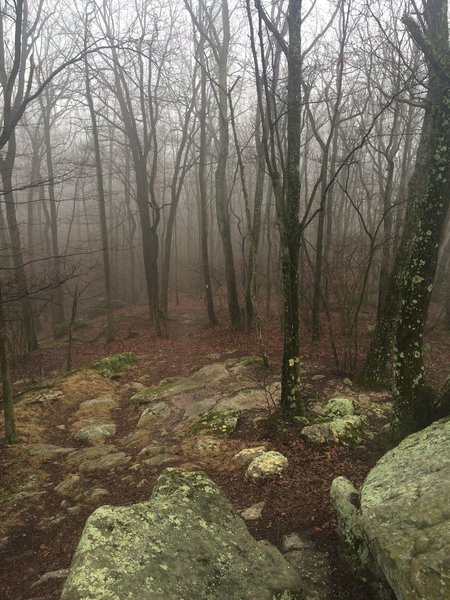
(339, 407)
(404, 515)
(342, 431)
(265, 465)
(218, 422)
(185, 542)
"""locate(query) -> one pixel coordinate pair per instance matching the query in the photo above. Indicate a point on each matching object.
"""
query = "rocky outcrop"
(185, 542)
(168, 388)
(404, 515)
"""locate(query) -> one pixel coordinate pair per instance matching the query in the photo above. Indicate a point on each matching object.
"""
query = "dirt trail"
(52, 481)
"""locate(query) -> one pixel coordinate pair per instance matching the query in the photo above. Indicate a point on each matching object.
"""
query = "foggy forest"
(225, 264)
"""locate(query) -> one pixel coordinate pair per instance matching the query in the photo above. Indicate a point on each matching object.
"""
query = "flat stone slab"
(76, 458)
(209, 375)
(186, 542)
(106, 401)
(218, 422)
(48, 450)
(104, 463)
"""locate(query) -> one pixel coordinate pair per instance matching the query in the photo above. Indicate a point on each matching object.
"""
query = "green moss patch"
(109, 365)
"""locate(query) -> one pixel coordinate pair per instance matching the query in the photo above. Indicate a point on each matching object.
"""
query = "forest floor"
(41, 521)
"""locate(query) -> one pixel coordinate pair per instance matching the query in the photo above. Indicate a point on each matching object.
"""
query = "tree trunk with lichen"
(289, 224)
(412, 397)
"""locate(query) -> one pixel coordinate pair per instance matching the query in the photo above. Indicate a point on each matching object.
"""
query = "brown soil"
(298, 501)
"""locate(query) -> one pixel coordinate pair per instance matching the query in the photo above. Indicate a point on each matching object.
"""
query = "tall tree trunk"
(132, 230)
(203, 193)
(251, 291)
(222, 209)
(386, 258)
(8, 399)
(110, 333)
(431, 200)
(57, 305)
(179, 173)
(291, 401)
(7, 166)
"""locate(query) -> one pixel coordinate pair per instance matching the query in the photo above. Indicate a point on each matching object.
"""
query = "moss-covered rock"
(218, 422)
(117, 363)
(246, 455)
(153, 393)
(346, 500)
(187, 542)
(339, 407)
(343, 431)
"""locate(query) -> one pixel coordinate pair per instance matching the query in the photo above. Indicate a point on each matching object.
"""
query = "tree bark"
(291, 401)
(6, 167)
(411, 405)
(110, 333)
(8, 399)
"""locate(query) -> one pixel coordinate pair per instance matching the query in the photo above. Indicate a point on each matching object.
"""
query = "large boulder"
(405, 514)
(185, 542)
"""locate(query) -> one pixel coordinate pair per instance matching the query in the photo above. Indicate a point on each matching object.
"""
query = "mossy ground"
(109, 365)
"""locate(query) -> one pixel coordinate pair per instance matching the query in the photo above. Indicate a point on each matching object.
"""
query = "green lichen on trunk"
(412, 397)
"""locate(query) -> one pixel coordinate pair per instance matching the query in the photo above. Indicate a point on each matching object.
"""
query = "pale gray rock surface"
(405, 514)
(96, 433)
(265, 465)
(186, 542)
